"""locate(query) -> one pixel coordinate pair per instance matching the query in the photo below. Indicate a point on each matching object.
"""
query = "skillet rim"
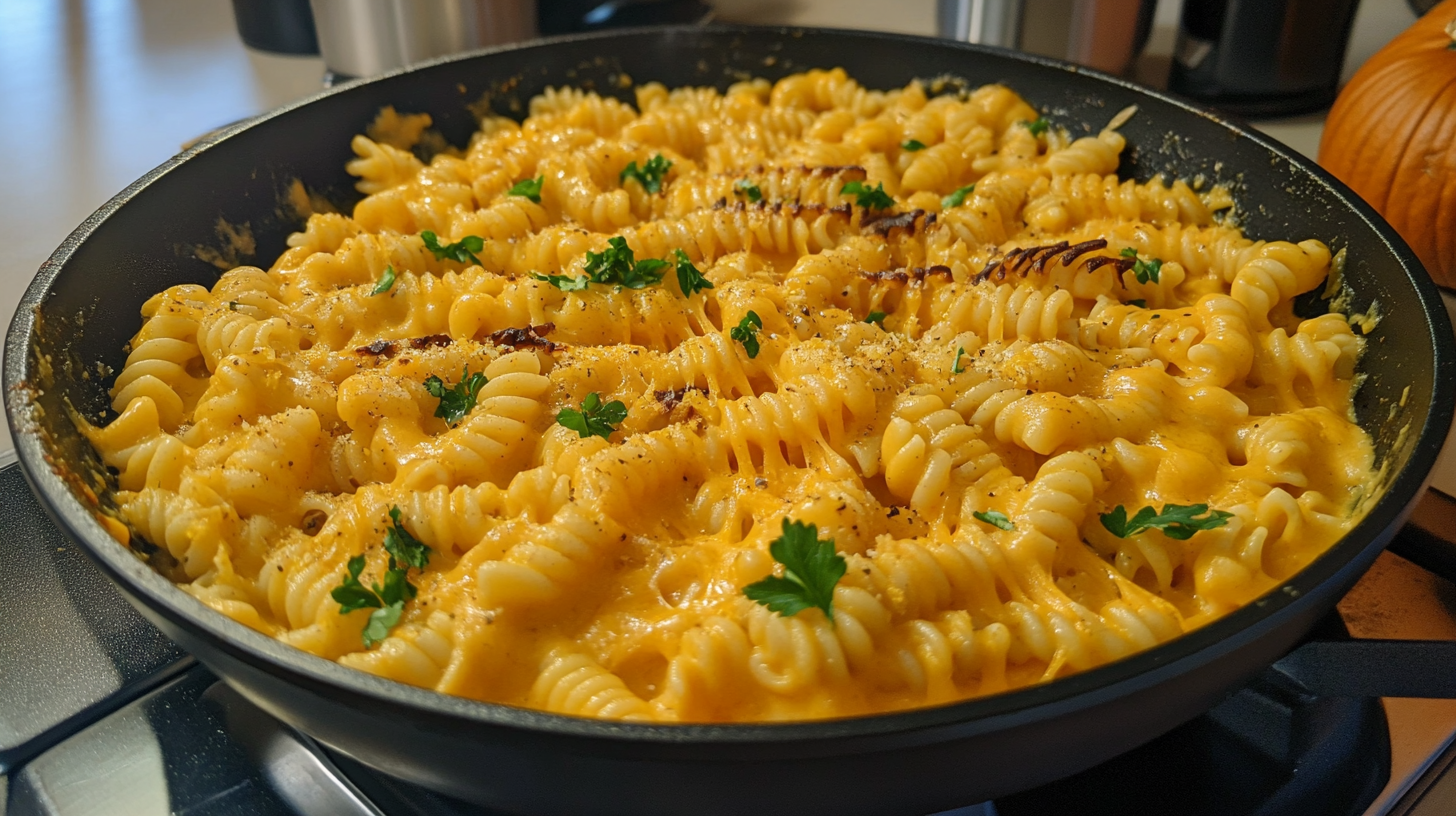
(975, 715)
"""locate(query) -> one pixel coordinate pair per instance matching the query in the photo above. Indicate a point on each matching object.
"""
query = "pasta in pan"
(798, 400)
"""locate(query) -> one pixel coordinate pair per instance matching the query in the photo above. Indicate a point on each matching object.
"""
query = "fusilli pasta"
(531, 423)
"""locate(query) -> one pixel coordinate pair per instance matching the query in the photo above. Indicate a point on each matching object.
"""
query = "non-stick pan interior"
(171, 226)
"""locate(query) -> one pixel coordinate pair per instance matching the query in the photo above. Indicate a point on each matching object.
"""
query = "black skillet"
(83, 307)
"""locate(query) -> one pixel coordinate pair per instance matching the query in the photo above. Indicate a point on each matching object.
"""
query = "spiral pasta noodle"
(531, 423)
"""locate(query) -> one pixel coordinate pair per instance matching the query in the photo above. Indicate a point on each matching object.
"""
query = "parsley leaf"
(1143, 270)
(387, 601)
(405, 551)
(462, 250)
(649, 175)
(528, 188)
(1176, 520)
(644, 273)
(912, 146)
(618, 265)
(565, 283)
(748, 190)
(959, 366)
(958, 197)
(688, 277)
(403, 547)
(397, 588)
(353, 595)
(864, 196)
(594, 418)
(811, 569)
(380, 622)
(746, 332)
(456, 402)
(1140, 303)
(386, 282)
(994, 518)
(606, 266)
(878, 318)
(615, 266)
(1038, 127)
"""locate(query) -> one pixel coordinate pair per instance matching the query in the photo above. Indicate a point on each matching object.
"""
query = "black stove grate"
(1269, 749)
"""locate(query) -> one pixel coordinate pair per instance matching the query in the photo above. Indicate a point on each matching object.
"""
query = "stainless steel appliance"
(1270, 58)
(361, 38)
(1103, 34)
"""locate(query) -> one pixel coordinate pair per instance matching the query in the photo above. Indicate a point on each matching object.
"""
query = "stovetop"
(101, 714)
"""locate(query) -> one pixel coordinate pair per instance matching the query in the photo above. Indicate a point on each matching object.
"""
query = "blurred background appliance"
(1264, 57)
(572, 16)
(986, 22)
(1250, 57)
(1103, 34)
(276, 26)
(359, 38)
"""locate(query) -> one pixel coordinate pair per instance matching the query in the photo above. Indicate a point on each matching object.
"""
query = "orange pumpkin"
(1391, 136)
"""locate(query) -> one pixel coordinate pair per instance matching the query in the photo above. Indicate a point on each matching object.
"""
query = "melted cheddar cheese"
(1037, 351)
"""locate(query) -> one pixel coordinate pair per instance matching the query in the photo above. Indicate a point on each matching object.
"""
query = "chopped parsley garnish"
(1140, 303)
(462, 250)
(613, 266)
(864, 196)
(1038, 127)
(1176, 520)
(381, 621)
(616, 264)
(386, 282)
(232, 305)
(643, 274)
(353, 595)
(748, 190)
(1143, 270)
(565, 283)
(958, 197)
(649, 175)
(746, 332)
(528, 188)
(387, 600)
(995, 518)
(913, 145)
(811, 570)
(594, 418)
(878, 318)
(456, 402)
(403, 547)
(959, 366)
(688, 276)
